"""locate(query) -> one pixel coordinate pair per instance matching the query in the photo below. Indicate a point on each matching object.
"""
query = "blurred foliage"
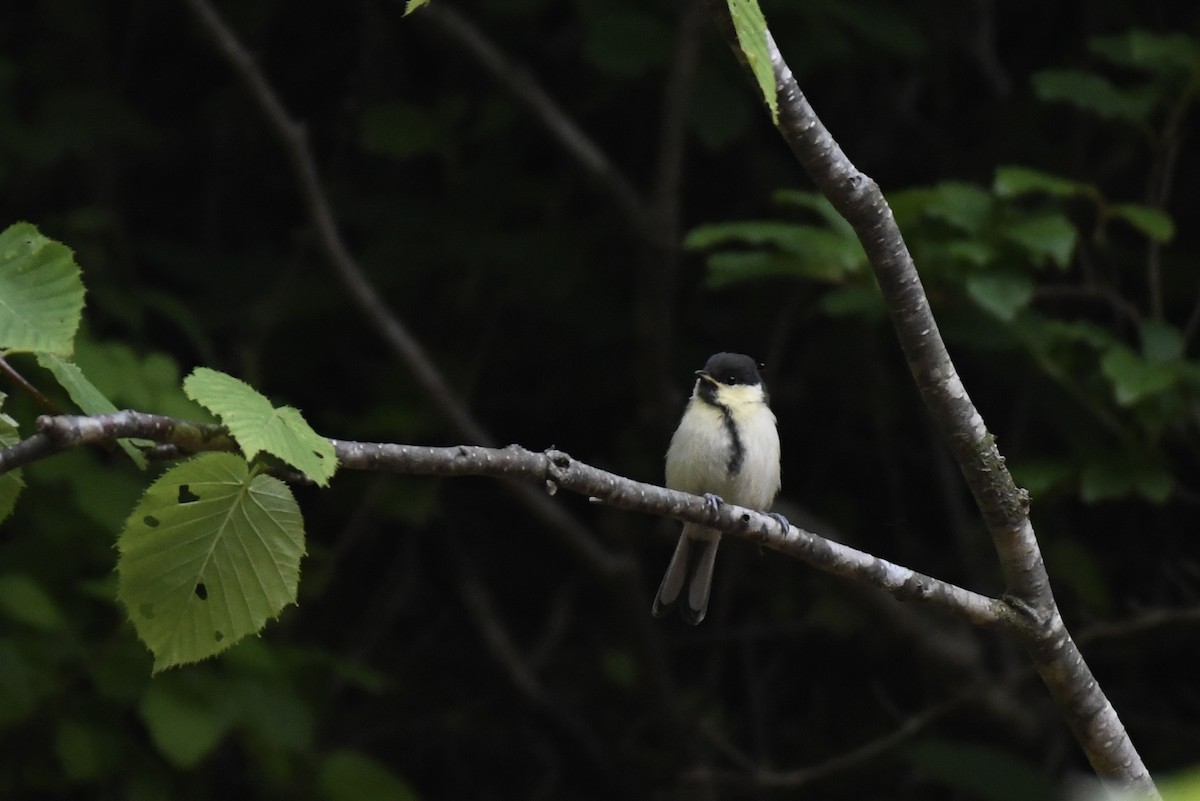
(1037, 159)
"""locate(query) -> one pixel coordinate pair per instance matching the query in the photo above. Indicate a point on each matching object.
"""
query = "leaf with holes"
(41, 294)
(210, 554)
(260, 427)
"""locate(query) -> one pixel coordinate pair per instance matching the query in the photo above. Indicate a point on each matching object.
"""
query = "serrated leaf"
(260, 427)
(1155, 224)
(41, 294)
(85, 395)
(1094, 93)
(751, 28)
(1046, 236)
(1014, 181)
(1003, 295)
(209, 555)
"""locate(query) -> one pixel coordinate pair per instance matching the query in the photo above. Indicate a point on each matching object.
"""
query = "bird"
(726, 448)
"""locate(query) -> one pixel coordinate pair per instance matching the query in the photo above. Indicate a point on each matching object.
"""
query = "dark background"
(447, 643)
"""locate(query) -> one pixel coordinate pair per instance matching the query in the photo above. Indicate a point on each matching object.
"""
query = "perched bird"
(727, 449)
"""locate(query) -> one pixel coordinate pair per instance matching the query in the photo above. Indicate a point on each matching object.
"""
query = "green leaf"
(750, 232)
(184, 729)
(751, 28)
(83, 751)
(86, 396)
(41, 294)
(814, 201)
(820, 252)
(1173, 53)
(1161, 341)
(1155, 224)
(854, 301)
(1181, 786)
(24, 600)
(965, 206)
(412, 5)
(1016, 181)
(12, 482)
(209, 555)
(1041, 476)
(274, 714)
(1094, 93)
(1133, 378)
(1045, 236)
(1114, 477)
(1002, 294)
(352, 776)
(147, 382)
(260, 427)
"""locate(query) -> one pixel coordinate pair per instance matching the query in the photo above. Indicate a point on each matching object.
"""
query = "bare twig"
(1037, 624)
(38, 396)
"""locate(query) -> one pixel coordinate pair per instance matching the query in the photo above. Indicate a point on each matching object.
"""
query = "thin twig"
(38, 396)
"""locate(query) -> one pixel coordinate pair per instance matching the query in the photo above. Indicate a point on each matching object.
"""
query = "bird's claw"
(713, 502)
(782, 521)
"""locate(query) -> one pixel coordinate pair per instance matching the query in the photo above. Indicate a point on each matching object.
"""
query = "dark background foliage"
(446, 643)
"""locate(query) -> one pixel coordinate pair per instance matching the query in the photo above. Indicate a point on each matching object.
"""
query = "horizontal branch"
(553, 470)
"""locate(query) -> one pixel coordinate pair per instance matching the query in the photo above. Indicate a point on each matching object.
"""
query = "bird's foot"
(785, 526)
(713, 502)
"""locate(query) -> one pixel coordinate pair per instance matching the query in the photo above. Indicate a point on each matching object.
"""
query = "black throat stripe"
(737, 449)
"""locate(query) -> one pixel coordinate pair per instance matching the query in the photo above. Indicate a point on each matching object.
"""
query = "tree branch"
(1038, 626)
(551, 469)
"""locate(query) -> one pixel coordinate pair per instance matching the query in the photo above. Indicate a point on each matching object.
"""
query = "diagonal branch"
(1005, 508)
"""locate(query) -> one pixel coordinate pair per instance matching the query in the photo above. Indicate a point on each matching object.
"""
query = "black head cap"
(732, 369)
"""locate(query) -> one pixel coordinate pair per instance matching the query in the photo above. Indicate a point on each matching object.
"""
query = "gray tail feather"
(689, 576)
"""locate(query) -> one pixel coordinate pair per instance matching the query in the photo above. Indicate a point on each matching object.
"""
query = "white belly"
(698, 460)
